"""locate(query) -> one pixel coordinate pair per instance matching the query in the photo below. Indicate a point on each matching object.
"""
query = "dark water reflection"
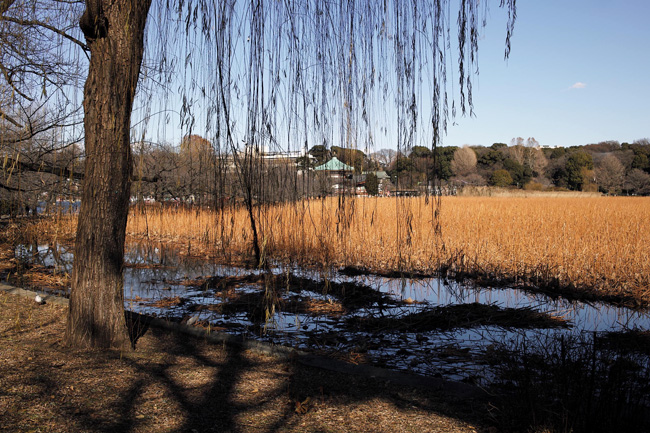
(155, 273)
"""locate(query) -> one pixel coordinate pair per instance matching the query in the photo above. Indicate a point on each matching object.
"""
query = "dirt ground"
(177, 383)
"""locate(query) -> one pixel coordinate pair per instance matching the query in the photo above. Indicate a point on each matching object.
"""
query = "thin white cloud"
(579, 85)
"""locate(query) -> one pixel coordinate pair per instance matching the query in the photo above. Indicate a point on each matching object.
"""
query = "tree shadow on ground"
(175, 382)
(237, 391)
(228, 389)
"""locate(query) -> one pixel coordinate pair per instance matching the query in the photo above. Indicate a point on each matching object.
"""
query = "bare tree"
(37, 106)
(518, 153)
(610, 174)
(529, 155)
(638, 182)
(384, 157)
(517, 141)
(464, 162)
(198, 161)
(536, 160)
(532, 142)
(642, 142)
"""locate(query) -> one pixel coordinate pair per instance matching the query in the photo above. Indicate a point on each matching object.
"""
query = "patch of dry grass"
(493, 191)
(593, 244)
(597, 247)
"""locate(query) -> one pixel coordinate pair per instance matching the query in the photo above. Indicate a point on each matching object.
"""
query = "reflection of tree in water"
(56, 256)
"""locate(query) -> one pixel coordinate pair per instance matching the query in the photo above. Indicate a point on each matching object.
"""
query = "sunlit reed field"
(594, 246)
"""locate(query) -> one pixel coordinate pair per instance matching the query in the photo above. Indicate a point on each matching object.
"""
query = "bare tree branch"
(5, 5)
(8, 118)
(46, 26)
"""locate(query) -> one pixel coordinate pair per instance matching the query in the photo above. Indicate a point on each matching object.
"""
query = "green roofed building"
(334, 165)
(339, 174)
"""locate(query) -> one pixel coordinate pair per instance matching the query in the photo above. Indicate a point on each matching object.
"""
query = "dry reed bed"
(595, 244)
(493, 191)
(53, 229)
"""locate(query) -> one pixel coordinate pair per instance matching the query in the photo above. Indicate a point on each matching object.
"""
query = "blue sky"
(578, 73)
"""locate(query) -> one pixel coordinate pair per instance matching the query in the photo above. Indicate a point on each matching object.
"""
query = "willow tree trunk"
(114, 30)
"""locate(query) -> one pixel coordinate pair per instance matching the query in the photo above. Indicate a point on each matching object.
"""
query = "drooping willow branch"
(286, 76)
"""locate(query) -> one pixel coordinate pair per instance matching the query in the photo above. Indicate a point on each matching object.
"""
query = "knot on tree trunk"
(93, 22)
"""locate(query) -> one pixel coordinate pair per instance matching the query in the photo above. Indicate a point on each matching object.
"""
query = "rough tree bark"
(114, 30)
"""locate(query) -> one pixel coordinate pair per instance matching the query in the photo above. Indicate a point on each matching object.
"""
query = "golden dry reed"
(596, 244)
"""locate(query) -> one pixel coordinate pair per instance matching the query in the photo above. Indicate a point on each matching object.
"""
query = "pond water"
(59, 206)
(374, 328)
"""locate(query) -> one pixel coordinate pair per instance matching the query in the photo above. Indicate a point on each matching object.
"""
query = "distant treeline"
(609, 167)
(198, 173)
